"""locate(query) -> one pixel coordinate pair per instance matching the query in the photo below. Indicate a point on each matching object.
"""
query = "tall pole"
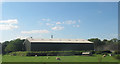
(118, 24)
(51, 36)
(119, 20)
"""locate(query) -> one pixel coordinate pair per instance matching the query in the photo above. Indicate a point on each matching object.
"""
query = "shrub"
(98, 52)
(92, 52)
(106, 52)
(18, 53)
(117, 56)
(46, 53)
(117, 52)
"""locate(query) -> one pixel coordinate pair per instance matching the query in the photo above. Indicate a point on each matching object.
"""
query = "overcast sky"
(63, 20)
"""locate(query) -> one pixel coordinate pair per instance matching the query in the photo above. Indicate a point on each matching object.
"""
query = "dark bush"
(98, 52)
(103, 52)
(117, 57)
(117, 52)
(92, 52)
(107, 51)
(18, 53)
(46, 53)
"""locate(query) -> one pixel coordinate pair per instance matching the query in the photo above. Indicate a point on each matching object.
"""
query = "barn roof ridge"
(32, 40)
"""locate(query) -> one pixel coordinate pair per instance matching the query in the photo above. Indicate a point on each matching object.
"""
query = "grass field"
(7, 58)
(0, 58)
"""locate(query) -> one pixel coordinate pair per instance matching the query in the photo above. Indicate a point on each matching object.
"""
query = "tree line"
(17, 45)
(13, 46)
(100, 45)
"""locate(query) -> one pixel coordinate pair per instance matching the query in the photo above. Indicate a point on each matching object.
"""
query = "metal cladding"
(58, 40)
(57, 44)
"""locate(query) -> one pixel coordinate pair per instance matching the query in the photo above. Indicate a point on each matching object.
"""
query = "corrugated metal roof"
(58, 40)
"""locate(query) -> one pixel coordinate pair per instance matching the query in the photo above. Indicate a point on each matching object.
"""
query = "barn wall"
(27, 45)
(61, 46)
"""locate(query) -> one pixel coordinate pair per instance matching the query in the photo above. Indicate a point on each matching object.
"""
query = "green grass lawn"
(0, 58)
(7, 58)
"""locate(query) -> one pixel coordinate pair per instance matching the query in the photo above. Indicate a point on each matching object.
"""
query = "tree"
(114, 40)
(118, 45)
(97, 43)
(15, 45)
(105, 41)
(11, 48)
(4, 45)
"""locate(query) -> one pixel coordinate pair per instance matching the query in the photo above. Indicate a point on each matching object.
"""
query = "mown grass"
(98, 58)
(0, 58)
